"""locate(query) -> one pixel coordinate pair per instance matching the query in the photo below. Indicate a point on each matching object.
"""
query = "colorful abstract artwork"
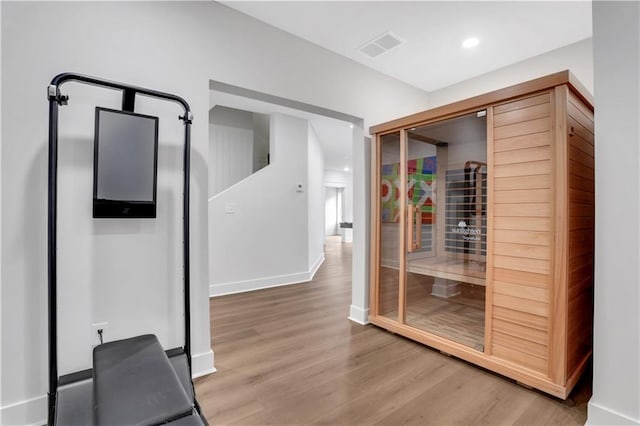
(420, 188)
(390, 192)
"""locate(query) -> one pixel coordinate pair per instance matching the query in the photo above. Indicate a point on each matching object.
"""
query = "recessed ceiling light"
(351, 126)
(470, 42)
(346, 169)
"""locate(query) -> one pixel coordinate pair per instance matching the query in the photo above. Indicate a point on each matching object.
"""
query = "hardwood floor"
(289, 356)
(459, 318)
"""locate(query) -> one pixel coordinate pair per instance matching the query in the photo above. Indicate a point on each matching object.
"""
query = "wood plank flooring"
(459, 318)
(290, 356)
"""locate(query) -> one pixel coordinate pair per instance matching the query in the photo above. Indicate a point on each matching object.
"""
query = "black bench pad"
(134, 384)
(192, 420)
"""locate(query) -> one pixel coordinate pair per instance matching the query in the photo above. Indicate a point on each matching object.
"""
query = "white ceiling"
(432, 57)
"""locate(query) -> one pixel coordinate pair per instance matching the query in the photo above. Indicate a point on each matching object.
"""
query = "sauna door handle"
(418, 225)
(414, 228)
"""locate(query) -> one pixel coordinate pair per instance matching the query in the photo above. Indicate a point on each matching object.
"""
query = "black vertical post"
(185, 222)
(128, 100)
(51, 245)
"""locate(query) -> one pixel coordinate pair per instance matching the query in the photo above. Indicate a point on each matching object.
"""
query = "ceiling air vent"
(381, 44)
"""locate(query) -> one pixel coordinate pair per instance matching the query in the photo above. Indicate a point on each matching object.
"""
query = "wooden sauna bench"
(451, 269)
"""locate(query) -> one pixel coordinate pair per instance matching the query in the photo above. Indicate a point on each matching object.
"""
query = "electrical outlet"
(104, 326)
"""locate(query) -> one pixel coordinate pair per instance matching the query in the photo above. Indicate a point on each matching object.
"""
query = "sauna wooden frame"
(540, 232)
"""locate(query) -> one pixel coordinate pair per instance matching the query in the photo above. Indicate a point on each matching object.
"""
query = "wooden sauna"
(482, 233)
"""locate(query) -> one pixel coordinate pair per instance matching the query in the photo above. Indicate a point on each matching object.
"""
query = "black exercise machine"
(133, 381)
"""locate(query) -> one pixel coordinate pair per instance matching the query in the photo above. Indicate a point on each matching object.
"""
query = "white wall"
(238, 146)
(333, 208)
(260, 140)
(315, 200)
(616, 357)
(231, 117)
(349, 200)
(176, 47)
(1, 293)
(108, 268)
(359, 309)
(264, 242)
(576, 57)
(231, 153)
(335, 178)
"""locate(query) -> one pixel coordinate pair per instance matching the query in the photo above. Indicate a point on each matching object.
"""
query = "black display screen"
(125, 164)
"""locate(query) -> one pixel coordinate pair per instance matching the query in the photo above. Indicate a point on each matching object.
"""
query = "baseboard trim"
(599, 415)
(33, 412)
(203, 364)
(316, 265)
(268, 282)
(359, 315)
(28, 412)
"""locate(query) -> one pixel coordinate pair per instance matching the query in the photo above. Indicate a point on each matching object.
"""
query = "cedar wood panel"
(581, 231)
(522, 232)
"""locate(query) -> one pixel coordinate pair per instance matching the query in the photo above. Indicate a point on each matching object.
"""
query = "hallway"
(289, 356)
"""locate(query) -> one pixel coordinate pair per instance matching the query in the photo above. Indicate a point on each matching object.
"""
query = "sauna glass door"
(446, 219)
(390, 224)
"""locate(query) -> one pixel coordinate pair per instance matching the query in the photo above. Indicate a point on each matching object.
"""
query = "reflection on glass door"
(446, 229)
(390, 226)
